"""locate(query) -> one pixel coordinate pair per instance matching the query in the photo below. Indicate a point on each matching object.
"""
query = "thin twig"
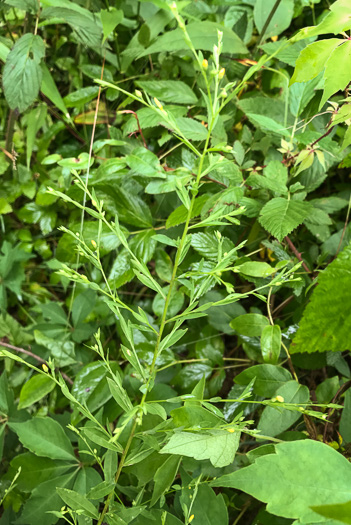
(34, 356)
(298, 254)
(267, 22)
(138, 123)
(341, 390)
(344, 228)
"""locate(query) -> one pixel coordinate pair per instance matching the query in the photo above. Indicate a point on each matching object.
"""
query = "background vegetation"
(175, 266)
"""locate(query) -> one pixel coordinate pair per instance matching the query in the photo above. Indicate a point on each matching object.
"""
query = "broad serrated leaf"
(325, 324)
(301, 474)
(86, 26)
(281, 216)
(191, 129)
(22, 73)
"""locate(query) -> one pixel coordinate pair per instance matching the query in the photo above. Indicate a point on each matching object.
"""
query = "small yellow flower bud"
(158, 103)
(138, 93)
(45, 368)
(94, 244)
(221, 73)
(205, 63)
(191, 518)
(280, 399)
(231, 430)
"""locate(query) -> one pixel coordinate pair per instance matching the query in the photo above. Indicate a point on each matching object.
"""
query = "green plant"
(202, 179)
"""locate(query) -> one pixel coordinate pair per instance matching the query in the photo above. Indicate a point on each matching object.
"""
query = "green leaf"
(81, 96)
(96, 435)
(255, 269)
(274, 421)
(44, 437)
(119, 394)
(208, 508)
(36, 470)
(130, 208)
(206, 244)
(337, 21)
(300, 94)
(6, 394)
(268, 378)
(101, 490)
(43, 500)
(62, 351)
(5, 207)
(281, 18)
(27, 5)
(110, 19)
(49, 89)
(326, 319)
(86, 26)
(203, 36)
(301, 474)
(219, 446)
(274, 179)
(35, 389)
(344, 427)
(250, 325)
(312, 59)
(22, 73)
(191, 129)
(78, 502)
(144, 162)
(267, 113)
(164, 477)
(281, 216)
(82, 306)
(178, 216)
(35, 121)
(340, 512)
(336, 78)
(271, 343)
(173, 91)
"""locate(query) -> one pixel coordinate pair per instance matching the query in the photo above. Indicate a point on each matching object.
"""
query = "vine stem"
(267, 22)
(298, 254)
(34, 356)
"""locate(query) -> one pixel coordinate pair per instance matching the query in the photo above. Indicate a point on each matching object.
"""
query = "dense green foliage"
(175, 262)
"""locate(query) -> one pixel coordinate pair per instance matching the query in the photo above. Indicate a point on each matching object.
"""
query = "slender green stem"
(163, 320)
(118, 473)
